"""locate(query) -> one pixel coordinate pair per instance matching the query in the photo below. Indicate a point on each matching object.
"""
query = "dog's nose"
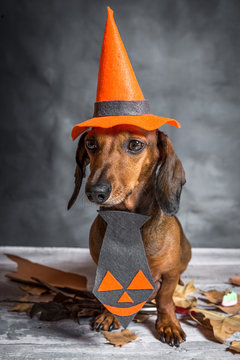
(98, 193)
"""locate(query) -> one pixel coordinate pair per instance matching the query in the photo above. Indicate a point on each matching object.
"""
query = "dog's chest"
(159, 249)
(154, 241)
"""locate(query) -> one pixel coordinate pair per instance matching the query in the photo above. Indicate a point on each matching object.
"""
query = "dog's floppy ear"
(170, 177)
(82, 160)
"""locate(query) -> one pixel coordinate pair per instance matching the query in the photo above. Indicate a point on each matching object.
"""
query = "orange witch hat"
(119, 97)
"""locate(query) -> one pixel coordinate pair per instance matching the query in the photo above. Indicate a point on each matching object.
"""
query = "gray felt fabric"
(115, 108)
(122, 254)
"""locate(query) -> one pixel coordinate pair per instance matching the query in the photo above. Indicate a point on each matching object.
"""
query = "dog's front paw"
(170, 333)
(106, 321)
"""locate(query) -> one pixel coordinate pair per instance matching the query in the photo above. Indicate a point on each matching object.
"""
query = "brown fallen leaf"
(50, 311)
(140, 317)
(87, 313)
(28, 269)
(33, 290)
(93, 304)
(21, 307)
(119, 338)
(181, 294)
(235, 346)
(63, 306)
(42, 298)
(50, 307)
(235, 309)
(223, 326)
(86, 294)
(215, 298)
(235, 280)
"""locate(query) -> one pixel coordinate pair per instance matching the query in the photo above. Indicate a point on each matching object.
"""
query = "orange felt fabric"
(125, 298)
(116, 78)
(124, 311)
(146, 121)
(140, 282)
(109, 283)
(117, 81)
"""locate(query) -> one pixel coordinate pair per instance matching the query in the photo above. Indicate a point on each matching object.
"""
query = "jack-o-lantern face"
(123, 280)
(139, 282)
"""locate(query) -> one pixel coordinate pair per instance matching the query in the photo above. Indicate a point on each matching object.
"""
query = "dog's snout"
(98, 193)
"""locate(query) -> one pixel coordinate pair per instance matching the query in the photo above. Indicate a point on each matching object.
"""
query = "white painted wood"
(25, 338)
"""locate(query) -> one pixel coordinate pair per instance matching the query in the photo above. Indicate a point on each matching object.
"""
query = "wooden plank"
(188, 351)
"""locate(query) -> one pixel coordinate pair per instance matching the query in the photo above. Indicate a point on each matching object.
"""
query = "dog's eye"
(91, 144)
(135, 146)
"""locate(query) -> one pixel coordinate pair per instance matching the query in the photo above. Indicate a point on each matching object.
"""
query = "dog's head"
(126, 162)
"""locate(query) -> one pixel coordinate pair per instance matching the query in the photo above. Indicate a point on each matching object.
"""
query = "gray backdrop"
(185, 54)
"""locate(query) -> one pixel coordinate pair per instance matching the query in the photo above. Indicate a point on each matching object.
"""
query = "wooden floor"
(25, 338)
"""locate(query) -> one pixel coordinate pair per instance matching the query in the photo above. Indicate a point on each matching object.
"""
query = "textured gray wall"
(186, 57)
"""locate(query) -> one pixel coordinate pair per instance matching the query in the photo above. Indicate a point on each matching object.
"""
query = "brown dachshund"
(135, 170)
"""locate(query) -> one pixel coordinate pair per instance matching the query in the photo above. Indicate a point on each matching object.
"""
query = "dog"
(136, 170)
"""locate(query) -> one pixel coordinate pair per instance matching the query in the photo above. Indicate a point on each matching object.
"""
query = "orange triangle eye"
(125, 298)
(140, 282)
(109, 283)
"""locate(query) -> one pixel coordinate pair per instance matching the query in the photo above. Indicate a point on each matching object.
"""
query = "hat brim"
(146, 121)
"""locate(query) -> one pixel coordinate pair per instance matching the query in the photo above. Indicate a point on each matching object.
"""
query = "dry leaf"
(65, 307)
(235, 280)
(223, 326)
(87, 313)
(22, 307)
(181, 294)
(86, 294)
(33, 290)
(42, 298)
(235, 346)
(140, 317)
(28, 269)
(235, 309)
(214, 296)
(50, 311)
(119, 338)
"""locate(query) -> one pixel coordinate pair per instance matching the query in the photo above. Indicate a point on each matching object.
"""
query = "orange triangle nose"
(125, 298)
(116, 78)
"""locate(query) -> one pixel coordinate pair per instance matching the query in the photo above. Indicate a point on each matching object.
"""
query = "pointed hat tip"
(109, 10)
